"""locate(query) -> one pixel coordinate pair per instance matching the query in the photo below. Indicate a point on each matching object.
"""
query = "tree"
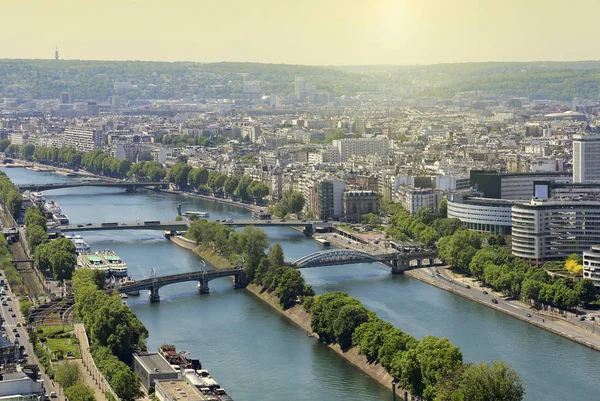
(481, 382)
(230, 185)
(371, 219)
(295, 202)
(179, 174)
(349, 318)
(4, 144)
(437, 358)
(79, 392)
(242, 189)
(258, 190)
(35, 235)
(425, 215)
(290, 288)
(586, 291)
(63, 264)
(67, 374)
(33, 216)
(27, 151)
(443, 208)
(276, 257)
(253, 242)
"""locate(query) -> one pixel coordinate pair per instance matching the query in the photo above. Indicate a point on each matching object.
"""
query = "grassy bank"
(211, 257)
(301, 318)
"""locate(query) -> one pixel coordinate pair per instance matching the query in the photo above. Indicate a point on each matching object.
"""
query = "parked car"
(467, 286)
(485, 292)
(528, 315)
(592, 318)
(494, 301)
(79, 225)
(582, 318)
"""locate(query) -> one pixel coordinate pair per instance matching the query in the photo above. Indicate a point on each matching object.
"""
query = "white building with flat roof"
(591, 265)
(586, 158)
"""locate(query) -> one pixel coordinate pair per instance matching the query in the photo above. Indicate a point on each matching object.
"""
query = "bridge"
(399, 262)
(128, 185)
(183, 225)
(133, 225)
(154, 283)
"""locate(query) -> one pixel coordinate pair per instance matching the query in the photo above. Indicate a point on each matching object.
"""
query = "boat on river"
(92, 261)
(197, 214)
(37, 198)
(116, 266)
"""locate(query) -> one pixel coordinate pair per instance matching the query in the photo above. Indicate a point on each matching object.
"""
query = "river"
(255, 354)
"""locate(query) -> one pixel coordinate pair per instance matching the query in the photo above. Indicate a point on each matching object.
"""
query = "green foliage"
(216, 181)
(4, 144)
(25, 306)
(230, 184)
(443, 208)
(257, 190)
(121, 378)
(79, 392)
(290, 202)
(57, 257)
(33, 216)
(458, 249)
(481, 382)
(10, 195)
(371, 219)
(242, 189)
(179, 174)
(35, 235)
(108, 321)
(67, 374)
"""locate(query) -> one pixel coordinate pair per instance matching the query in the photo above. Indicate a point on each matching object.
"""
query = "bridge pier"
(308, 230)
(239, 280)
(154, 295)
(399, 266)
(203, 286)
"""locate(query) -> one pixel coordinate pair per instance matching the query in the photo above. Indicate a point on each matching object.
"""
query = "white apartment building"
(481, 214)
(18, 386)
(413, 198)
(544, 229)
(586, 158)
(343, 149)
(452, 182)
(82, 139)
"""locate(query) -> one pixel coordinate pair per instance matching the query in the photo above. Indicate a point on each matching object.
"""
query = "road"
(12, 329)
(570, 327)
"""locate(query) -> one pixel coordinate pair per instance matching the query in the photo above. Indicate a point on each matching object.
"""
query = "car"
(592, 318)
(88, 224)
(17, 335)
(432, 275)
(18, 324)
(79, 225)
(282, 220)
(2, 328)
(485, 292)
(14, 315)
(229, 221)
(467, 286)
(53, 394)
(14, 330)
(582, 318)
(528, 315)
(10, 309)
(268, 221)
(303, 221)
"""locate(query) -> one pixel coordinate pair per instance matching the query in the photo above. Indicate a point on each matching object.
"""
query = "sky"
(311, 32)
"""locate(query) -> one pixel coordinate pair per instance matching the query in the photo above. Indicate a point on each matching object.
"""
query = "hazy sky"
(302, 31)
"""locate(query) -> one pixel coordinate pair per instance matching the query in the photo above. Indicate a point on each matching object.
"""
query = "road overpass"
(128, 185)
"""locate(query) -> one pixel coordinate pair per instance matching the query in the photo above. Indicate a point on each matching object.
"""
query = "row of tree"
(35, 228)
(201, 179)
(431, 368)
(10, 195)
(96, 161)
(247, 247)
(287, 282)
(10, 272)
(290, 202)
(115, 333)
(497, 268)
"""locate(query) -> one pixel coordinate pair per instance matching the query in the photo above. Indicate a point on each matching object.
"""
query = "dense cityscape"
(210, 231)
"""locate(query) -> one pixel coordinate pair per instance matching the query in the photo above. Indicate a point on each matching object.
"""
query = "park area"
(60, 340)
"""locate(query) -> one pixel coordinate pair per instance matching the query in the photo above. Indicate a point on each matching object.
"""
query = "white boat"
(52, 207)
(80, 245)
(128, 280)
(199, 214)
(92, 261)
(60, 218)
(116, 265)
(37, 197)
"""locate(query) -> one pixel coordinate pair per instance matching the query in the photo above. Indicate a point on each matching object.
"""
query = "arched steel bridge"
(398, 261)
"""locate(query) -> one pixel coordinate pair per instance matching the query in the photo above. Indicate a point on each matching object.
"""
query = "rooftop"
(153, 361)
(179, 390)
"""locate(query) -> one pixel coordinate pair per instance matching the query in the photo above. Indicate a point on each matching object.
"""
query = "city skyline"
(380, 32)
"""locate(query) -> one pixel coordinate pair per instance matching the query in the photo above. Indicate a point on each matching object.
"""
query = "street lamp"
(393, 390)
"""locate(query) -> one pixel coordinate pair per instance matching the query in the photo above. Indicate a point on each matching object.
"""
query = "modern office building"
(591, 265)
(21, 385)
(586, 158)
(329, 198)
(152, 366)
(512, 186)
(358, 203)
(481, 214)
(546, 229)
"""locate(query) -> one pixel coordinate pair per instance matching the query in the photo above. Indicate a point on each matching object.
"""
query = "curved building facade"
(591, 265)
(554, 228)
(482, 214)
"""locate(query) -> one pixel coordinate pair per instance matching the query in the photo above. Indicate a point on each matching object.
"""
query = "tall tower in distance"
(56, 54)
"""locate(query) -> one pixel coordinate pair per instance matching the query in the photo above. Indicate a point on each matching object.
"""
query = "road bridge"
(128, 185)
(309, 226)
(154, 283)
(399, 262)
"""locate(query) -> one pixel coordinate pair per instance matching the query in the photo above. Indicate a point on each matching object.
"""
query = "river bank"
(218, 261)
(301, 318)
(559, 327)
